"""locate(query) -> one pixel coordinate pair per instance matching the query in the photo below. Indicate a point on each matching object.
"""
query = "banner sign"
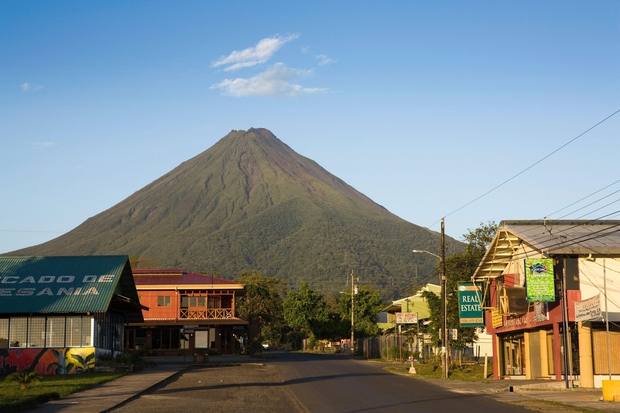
(406, 318)
(588, 309)
(470, 310)
(539, 280)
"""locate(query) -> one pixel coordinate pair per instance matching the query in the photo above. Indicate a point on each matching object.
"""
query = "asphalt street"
(297, 382)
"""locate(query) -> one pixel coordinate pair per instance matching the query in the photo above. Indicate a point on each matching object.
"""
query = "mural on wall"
(71, 360)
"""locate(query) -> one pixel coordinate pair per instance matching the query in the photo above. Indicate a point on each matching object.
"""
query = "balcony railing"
(207, 314)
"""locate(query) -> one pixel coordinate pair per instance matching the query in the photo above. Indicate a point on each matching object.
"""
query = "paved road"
(324, 383)
(295, 382)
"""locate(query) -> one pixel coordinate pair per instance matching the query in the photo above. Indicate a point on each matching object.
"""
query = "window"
(191, 301)
(163, 301)
(55, 332)
(215, 302)
(4, 332)
(74, 331)
(18, 331)
(36, 332)
(86, 340)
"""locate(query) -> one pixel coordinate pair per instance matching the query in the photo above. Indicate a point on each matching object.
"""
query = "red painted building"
(550, 294)
(189, 313)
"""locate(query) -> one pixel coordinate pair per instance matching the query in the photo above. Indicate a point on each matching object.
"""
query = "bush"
(24, 378)
(123, 361)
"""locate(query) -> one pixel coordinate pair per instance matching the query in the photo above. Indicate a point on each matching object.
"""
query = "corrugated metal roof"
(177, 277)
(81, 284)
(549, 238)
(580, 237)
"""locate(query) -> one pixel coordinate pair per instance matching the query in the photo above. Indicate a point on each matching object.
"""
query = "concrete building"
(57, 314)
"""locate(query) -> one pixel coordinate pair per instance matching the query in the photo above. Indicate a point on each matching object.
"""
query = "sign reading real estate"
(539, 282)
(470, 310)
(588, 309)
(406, 318)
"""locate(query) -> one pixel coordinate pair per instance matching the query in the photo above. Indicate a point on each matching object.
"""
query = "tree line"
(286, 317)
(281, 317)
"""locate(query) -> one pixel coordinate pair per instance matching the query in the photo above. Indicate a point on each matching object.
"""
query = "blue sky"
(422, 106)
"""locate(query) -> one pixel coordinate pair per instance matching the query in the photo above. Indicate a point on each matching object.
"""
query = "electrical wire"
(527, 169)
(585, 197)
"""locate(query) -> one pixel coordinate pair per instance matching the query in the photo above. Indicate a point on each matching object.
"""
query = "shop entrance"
(513, 362)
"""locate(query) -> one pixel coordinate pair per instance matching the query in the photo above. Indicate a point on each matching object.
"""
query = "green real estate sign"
(470, 310)
(539, 280)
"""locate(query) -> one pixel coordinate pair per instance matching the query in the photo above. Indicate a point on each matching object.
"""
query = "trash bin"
(199, 358)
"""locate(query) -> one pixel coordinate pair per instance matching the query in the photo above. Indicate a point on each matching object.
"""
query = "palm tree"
(25, 378)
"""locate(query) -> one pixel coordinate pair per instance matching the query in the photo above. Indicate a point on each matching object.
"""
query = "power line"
(585, 197)
(592, 203)
(526, 169)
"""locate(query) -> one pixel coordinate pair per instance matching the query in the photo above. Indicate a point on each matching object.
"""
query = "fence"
(394, 347)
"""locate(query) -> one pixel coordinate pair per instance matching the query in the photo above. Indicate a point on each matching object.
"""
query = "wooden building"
(189, 314)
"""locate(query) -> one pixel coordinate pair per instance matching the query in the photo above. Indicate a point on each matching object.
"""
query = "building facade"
(58, 314)
(551, 294)
(189, 314)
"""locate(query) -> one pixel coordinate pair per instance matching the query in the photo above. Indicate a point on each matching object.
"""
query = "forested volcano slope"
(252, 203)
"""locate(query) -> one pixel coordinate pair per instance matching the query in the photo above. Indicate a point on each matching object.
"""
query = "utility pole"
(444, 308)
(352, 313)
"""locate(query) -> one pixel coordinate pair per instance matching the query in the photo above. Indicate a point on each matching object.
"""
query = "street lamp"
(444, 315)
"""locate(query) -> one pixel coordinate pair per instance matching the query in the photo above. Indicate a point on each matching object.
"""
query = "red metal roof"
(176, 276)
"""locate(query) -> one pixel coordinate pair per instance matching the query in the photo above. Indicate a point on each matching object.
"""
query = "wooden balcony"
(206, 314)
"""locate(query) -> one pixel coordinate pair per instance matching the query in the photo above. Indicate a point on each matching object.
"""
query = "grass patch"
(466, 372)
(12, 399)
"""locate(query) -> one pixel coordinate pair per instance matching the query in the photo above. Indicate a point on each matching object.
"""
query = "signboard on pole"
(539, 282)
(588, 309)
(406, 318)
(470, 310)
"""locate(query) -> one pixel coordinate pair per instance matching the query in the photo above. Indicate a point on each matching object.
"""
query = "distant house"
(58, 313)
(550, 286)
(397, 323)
(418, 305)
(188, 313)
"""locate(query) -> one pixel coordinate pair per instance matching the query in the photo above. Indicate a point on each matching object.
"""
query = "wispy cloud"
(27, 87)
(253, 56)
(275, 81)
(324, 59)
(43, 144)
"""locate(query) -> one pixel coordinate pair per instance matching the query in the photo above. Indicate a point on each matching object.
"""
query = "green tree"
(261, 306)
(24, 378)
(459, 268)
(306, 312)
(367, 306)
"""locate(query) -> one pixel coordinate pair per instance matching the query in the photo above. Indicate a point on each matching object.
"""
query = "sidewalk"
(523, 390)
(111, 394)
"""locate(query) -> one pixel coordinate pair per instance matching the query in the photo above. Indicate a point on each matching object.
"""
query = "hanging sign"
(406, 318)
(539, 280)
(496, 317)
(588, 309)
(470, 310)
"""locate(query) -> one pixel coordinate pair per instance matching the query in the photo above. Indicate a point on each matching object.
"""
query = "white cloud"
(324, 59)
(27, 87)
(43, 144)
(276, 81)
(253, 56)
